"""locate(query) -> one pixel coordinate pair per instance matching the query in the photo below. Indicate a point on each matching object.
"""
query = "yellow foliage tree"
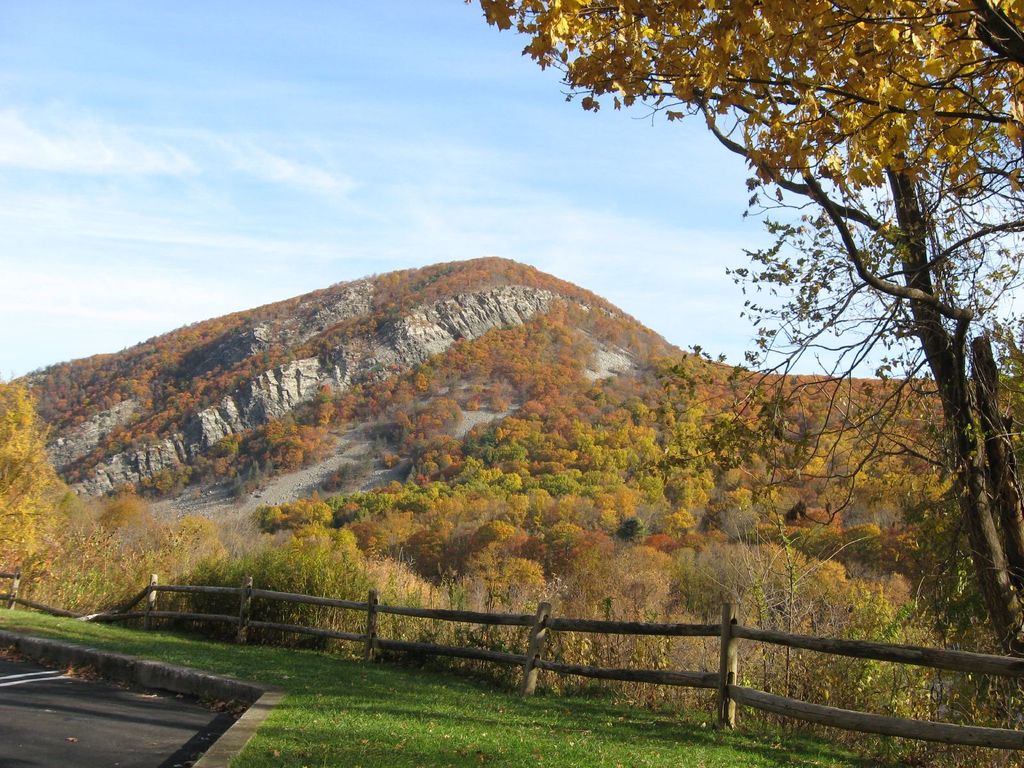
(855, 90)
(900, 121)
(678, 523)
(29, 487)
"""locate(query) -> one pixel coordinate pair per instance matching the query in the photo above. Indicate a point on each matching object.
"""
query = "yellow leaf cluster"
(28, 483)
(871, 85)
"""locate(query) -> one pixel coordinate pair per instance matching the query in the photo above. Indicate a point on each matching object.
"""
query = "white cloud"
(80, 144)
(83, 146)
(82, 220)
(260, 163)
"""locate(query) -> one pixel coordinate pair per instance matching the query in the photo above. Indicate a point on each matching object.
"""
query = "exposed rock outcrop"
(430, 330)
(398, 346)
(425, 332)
(607, 361)
(311, 318)
(231, 348)
(80, 440)
(345, 302)
(135, 465)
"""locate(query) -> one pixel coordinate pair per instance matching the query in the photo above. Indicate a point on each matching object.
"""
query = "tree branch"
(887, 287)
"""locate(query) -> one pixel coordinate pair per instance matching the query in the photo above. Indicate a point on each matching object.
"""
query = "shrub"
(314, 562)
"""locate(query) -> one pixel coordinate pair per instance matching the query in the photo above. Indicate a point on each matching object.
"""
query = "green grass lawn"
(344, 713)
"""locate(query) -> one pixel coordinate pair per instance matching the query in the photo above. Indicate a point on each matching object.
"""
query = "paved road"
(48, 720)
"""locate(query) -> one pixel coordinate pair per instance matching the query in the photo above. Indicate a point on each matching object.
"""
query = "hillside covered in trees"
(155, 414)
(512, 425)
(568, 394)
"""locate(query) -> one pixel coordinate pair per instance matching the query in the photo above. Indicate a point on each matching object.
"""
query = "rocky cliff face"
(310, 318)
(397, 346)
(135, 465)
(80, 440)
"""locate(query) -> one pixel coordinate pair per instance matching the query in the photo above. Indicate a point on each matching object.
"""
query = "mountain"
(484, 417)
(232, 402)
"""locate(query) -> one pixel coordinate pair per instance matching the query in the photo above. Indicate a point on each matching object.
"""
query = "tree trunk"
(1003, 472)
(983, 462)
(987, 541)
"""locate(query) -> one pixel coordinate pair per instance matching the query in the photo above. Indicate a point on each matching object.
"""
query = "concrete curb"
(132, 670)
(234, 739)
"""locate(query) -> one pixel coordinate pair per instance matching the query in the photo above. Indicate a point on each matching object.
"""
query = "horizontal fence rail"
(467, 617)
(541, 626)
(925, 730)
(45, 608)
(634, 628)
(954, 661)
(196, 590)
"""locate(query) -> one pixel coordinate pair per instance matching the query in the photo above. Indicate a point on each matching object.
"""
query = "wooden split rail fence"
(541, 624)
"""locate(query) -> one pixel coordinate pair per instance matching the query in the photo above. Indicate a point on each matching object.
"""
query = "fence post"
(147, 621)
(538, 636)
(244, 609)
(15, 584)
(727, 668)
(372, 601)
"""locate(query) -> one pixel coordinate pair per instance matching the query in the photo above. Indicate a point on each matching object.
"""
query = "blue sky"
(162, 163)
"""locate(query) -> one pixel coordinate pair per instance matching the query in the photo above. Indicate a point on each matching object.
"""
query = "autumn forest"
(481, 435)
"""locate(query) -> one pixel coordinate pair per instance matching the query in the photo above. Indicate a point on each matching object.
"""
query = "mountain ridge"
(174, 398)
